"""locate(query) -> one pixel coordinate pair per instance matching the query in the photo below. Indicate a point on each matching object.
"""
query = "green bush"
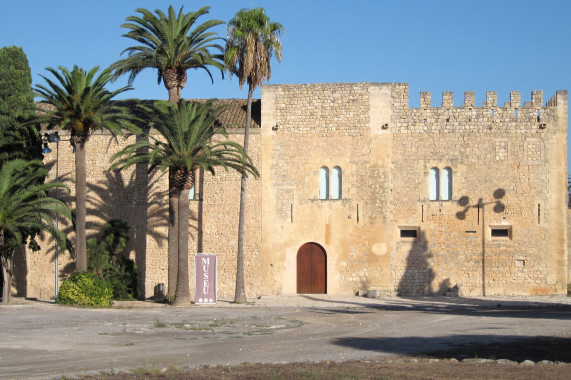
(123, 278)
(106, 257)
(85, 289)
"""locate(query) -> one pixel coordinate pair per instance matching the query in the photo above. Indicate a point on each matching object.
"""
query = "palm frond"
(189, 140)
(169, 41)
(25, 205)
(79, 101)
(251, 42)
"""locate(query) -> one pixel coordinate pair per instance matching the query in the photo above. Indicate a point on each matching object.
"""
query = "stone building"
(358, 193)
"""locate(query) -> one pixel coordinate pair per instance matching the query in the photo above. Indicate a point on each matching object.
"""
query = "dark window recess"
(500, 232)
(409, 233)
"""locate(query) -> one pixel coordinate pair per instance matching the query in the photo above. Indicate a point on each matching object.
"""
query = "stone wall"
(503, 230)
(305, 128)
(569, 246)
(509, 168)
(141, 200)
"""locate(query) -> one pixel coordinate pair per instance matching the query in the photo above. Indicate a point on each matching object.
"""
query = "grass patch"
(159, 324)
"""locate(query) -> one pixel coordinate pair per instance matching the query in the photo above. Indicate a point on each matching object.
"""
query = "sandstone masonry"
(398, 200)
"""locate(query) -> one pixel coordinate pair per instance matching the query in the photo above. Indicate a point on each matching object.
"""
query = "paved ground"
(39, 339)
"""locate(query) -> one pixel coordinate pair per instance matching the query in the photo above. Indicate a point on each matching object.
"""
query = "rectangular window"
(501, 232)
(409, 232)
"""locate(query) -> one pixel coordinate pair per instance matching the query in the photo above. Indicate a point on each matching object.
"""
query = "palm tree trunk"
(173, 239)
(182, 296)
(174, 96)
(6, 264)
(80, 208)
(240, 294)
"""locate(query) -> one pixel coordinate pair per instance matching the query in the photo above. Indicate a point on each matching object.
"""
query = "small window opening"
(324, 183)
(515, 112)
(446, 185)
(192, 193)
(501, 232)
(336, 183)
(434, 184)
(409, 233)
(493, 112)
(538, 115)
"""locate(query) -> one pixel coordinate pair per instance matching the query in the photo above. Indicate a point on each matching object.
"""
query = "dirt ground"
(370, 369)
(310, 337)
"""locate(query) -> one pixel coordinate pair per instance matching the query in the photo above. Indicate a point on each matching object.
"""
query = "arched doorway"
(311, 269)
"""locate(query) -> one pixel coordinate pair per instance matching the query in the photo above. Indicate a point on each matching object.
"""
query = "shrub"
(85, 289)
(105, 257)
(123, 278)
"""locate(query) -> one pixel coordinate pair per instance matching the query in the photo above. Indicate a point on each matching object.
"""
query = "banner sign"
(205, 278)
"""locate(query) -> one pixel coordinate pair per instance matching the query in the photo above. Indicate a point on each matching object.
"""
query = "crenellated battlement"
(533, 116)
(490, 102)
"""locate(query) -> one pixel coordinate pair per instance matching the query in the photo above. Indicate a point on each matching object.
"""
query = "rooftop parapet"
(490, 102)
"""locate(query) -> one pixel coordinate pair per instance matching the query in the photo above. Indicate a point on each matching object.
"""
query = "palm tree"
(25, 208)
(172, 44)
(251, 42)
(169, 44)
(79, 102)
(190, 141)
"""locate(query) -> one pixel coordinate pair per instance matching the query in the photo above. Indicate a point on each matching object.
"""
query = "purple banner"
(204, 278)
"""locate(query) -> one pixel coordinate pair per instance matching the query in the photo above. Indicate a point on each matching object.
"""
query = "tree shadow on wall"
(136, 199)
(418, 275)
(480, 206)
(65, 225)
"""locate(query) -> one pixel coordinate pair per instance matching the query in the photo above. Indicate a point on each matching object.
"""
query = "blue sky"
(433, 45)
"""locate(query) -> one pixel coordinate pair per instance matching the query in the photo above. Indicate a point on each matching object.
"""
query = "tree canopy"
(25, 208)
(18, 138)
(252, 40)
(78, 101)
(172, 43)
(190, 141)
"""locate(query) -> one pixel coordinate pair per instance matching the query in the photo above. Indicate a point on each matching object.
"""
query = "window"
(324, 183)
(330, 183)
(501, 232)
(192, 194)
(409, 232)
(434, 184)
(336, 183)
(446, 184)
(440, 184)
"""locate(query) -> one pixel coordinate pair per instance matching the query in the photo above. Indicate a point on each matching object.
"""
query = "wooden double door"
(311, 269)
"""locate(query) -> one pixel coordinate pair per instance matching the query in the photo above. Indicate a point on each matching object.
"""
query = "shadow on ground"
(452, 305)
(469, 346)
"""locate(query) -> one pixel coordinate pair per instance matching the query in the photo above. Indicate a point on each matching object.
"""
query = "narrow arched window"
(324, 183)
(446, 184)
(336, 181)
(434, 184)
(192, 192)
